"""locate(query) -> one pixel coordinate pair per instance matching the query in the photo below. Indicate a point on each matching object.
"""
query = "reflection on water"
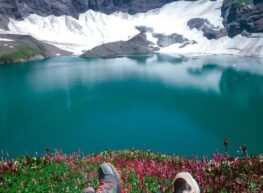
(90, 72)
(171, 104)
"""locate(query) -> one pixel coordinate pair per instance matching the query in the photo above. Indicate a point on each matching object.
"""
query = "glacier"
(92, 29)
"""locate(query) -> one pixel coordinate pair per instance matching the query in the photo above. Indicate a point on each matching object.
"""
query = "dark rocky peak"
(242, 15)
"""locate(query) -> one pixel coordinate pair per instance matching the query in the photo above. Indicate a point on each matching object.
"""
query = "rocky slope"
(242, 16)
(24, 48)
(136, 45)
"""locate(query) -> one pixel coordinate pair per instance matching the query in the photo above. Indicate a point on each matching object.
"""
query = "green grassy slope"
(20, 52)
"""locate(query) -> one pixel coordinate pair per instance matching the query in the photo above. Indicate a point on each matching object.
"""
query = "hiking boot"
(109, 179)
(185, 183)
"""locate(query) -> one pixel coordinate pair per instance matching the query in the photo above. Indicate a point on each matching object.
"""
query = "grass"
(19, 53)
(140, 172)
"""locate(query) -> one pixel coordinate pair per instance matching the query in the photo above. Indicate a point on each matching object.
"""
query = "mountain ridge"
(19, 9)
(181, 27)
(238, 15)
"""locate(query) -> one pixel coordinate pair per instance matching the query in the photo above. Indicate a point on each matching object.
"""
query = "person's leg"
(109, 179)
(110, 182)
(185, 183)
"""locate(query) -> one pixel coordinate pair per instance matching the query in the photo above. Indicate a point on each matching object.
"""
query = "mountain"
(93, 27)
(20, 9)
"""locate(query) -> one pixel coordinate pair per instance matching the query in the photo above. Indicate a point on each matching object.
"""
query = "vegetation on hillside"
(19, 53)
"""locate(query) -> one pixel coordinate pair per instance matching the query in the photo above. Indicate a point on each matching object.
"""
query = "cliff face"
(242, 16)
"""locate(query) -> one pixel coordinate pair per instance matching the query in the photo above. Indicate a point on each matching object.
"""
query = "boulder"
(209, 31)
(167, 40)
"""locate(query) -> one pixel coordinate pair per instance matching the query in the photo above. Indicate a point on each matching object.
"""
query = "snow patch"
(151, 38)
(5, 40)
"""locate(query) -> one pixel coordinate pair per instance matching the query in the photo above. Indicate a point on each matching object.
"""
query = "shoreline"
(175, 55)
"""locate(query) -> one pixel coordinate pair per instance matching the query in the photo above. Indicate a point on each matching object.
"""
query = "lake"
(169, 104)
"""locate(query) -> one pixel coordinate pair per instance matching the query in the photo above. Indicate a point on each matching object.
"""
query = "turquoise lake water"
(174, 105)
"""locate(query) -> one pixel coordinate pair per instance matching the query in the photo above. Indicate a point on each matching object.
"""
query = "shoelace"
(106, 186)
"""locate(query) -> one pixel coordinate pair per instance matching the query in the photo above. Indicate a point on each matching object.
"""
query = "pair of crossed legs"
(110, 182)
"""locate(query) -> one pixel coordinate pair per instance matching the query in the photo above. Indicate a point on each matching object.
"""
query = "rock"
(239, 17)
(188, 43)
(209, 31)
(24, 48)
(246, 34)
(144, 29)
(257, 1)
(136, 45)
(165, 41)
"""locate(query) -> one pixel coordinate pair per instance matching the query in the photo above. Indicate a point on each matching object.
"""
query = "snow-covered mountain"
(182, 27)
(20, 9)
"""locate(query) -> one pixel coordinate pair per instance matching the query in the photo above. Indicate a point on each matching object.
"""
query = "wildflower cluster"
(140, 172)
